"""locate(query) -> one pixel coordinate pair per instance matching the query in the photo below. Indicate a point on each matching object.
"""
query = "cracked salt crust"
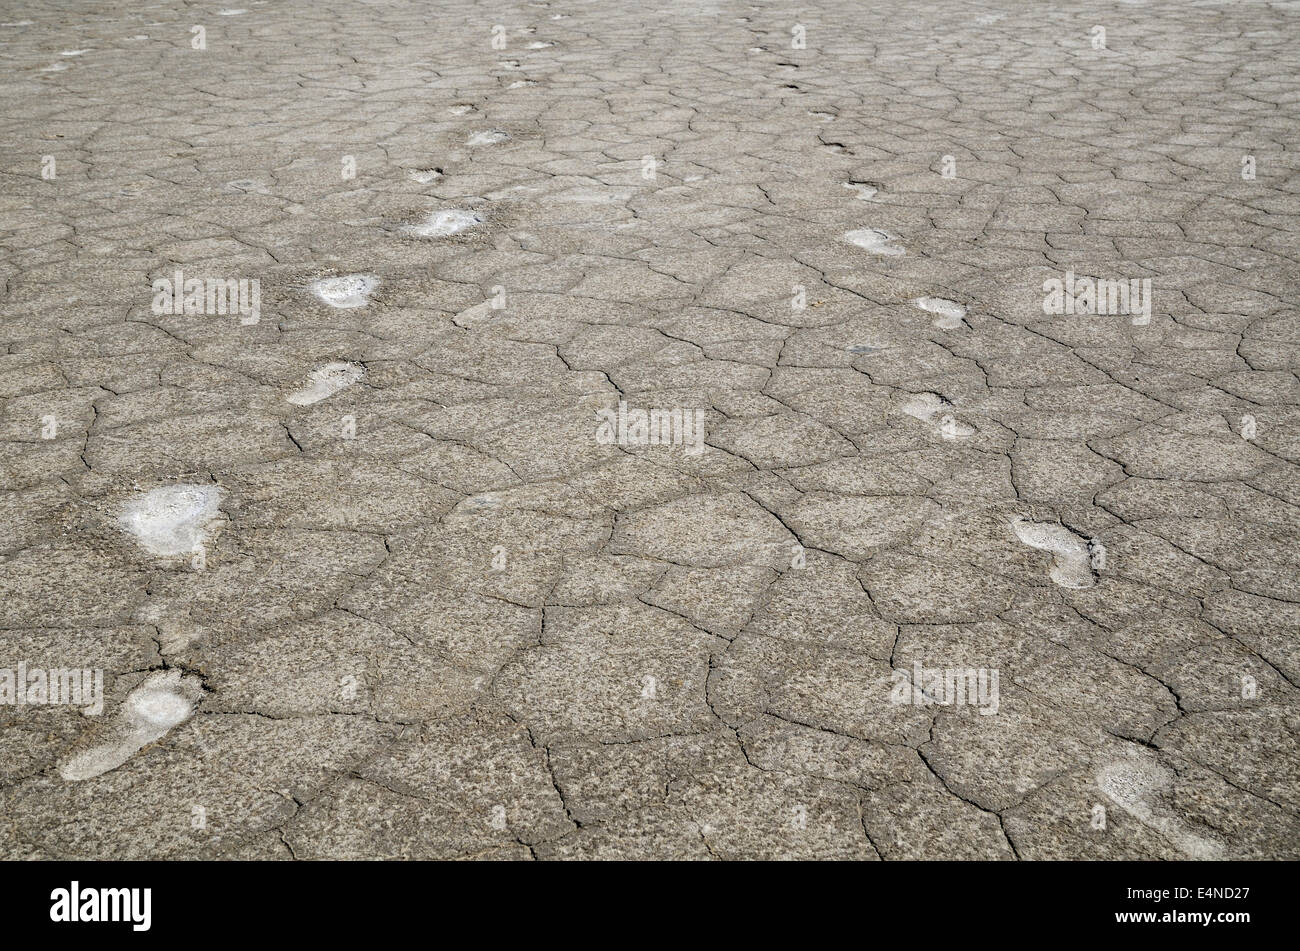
(1072, 559)
(348, 291)
(324, 381)
(163, 701)
(874, 240)
(172, 520)
(949, 315)
(444, 224)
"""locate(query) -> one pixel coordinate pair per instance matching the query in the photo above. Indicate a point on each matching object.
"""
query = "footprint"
(1072, 559)
(172, 519)
(948, 313)
(323, 382)
(490, 137)
(875, 241)
(247, 185)
(74, 52)
(442, 224)
(351, 290)
(164, 700)
(519, 84)
(461, 109)
(426, 176)
(866, 191)
(1137, 784)
(539, 45)
(926, 406)
(475, 315)
(231, 13)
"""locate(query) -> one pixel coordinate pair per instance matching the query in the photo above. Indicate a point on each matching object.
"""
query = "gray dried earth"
(364, 579)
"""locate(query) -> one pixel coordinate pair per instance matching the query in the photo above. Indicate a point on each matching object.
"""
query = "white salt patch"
(475, 315)
(823, 116)
(426, 176)
(442, 224)
(324, 381)
(74, 52)
(539, 45)
(172, 519)
(948, 313)
(1071, 561)
(865, 192)
(461, 109)
(230, 13)
(1137, 784)
(351, 290)
(521, 83)
(927, 406)
(875, 241)
(490, 137)
(164, 700)
(247, 185)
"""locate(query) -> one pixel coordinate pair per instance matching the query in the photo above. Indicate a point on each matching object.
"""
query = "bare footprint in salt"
(350, 290)
(443, 224)
(875, 241)
(323, 382)
(490, 137)
(473, 316)
(927, 406)
(164, 700)
(1137, 784)
(173, 520)
(948, 313)
(866, 191)
(1072, 558)
(426, 176)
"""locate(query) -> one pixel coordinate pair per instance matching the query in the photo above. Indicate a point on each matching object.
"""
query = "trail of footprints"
(179, 520)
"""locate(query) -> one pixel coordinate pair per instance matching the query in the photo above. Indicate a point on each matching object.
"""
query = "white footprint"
(351, 290)
(461, 109)
(163, 700)
(948, 313)
(173, 519)
(490, 137)
(442, 224)
(521, 83)
(1072, 559)
(1134, 783)
(539, 45)
(865, 192)
(475, 315)
(74, 52)
(231, 13)
(323, 382)
(875, 241)
(927, 406)
(426, 176)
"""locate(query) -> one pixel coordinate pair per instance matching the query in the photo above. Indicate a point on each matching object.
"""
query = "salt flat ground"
(375, 565)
